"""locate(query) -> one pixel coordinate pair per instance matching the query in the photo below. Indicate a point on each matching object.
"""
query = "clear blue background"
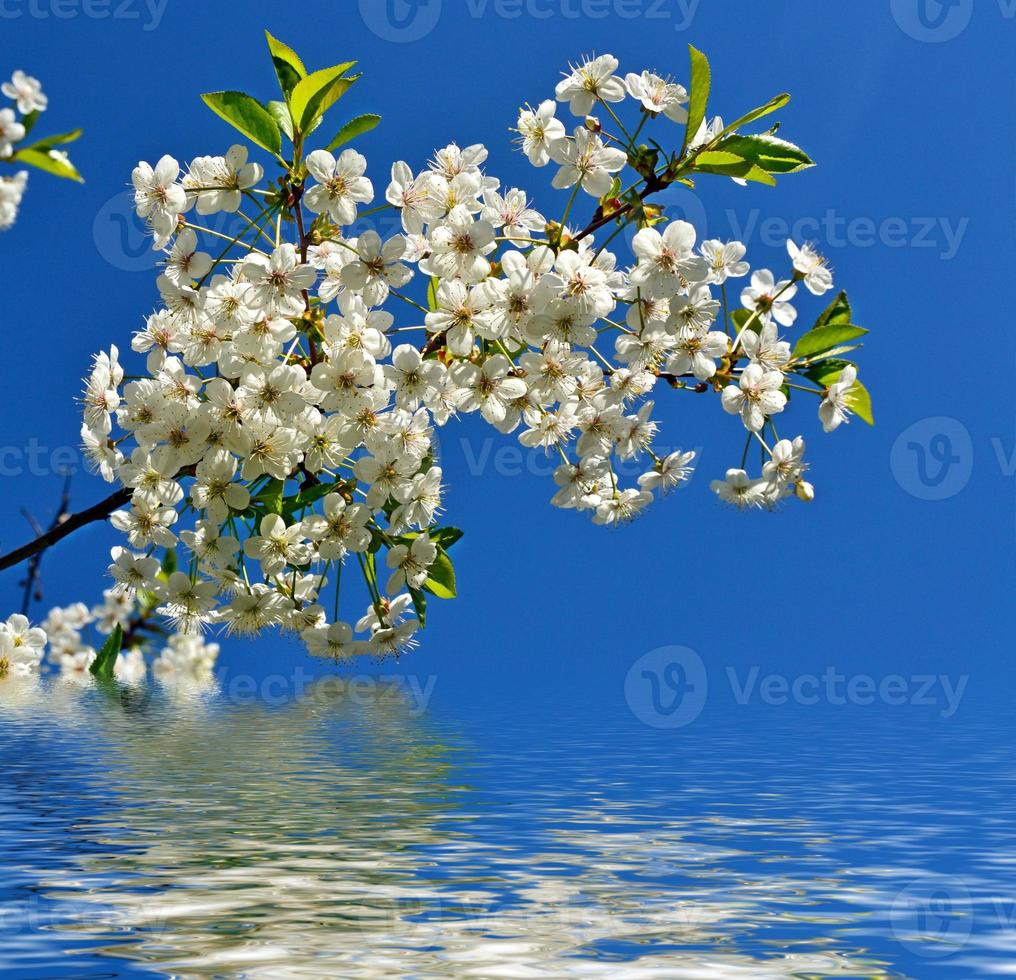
(869, 578)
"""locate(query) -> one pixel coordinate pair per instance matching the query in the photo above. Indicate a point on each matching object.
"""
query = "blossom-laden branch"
(16, 123)
(277, 436)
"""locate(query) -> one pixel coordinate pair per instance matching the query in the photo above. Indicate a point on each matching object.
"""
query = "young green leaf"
(441, 579)
(353, 128)
(60, 139)
(432, 293)
(826, 372)
(419, 604)
(859, 400)
(774, 156)
(838, 311)
(763, 110)
(445, 537)
(249, 116)
(308, 497)
(701, 80)
(52, 161)
(105, 660)
(288, 66)
(272, 496)
(826, 338)
(316, 93)
(280, 113)
(30, 120)
(168, 564)
(731, 165)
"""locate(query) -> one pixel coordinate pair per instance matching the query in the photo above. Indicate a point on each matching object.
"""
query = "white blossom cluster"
(27, 95)
(61, 643)
(281, 430)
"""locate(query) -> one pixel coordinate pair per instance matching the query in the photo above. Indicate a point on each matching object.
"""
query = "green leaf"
(445, 537)
(859, 400)
(441, 578)
(60, 139)
(837, 312)
(419, 604)
(731, 165)
(826, 372)
(168, 565)
(288, 66)
(280, 113)
(701, 80)
(105, 659)
(250, 117)
(763, 110)
(308, 497)
(316, 93)
(30, 120)
(826, 338)
(740, 319)
(353, 128)
(773, 155)
(52, 161)
(432, 293)
(272, 496)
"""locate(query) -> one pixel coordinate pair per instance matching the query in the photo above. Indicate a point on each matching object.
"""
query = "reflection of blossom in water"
(186, 659)
(19, 694)
(329, 838)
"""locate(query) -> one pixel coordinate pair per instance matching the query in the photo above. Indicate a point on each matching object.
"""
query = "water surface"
(339, 836)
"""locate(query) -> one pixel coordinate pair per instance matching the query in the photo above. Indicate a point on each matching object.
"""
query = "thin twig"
(97, 512)
(32, 574)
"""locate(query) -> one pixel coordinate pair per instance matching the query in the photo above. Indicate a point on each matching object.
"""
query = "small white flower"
(835, 408)
(341, 185)
(26, 92)
(740, 490)
(592, 80)
(811, 267)
(539, 131)
(756, 397)
(658, 95)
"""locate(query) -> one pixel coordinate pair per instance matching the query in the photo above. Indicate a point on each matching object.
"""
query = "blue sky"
(905, 105)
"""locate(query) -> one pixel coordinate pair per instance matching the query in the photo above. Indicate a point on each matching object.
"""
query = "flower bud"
(805, 491)
(592, 124)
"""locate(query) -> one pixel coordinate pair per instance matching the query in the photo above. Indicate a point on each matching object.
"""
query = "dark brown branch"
(98, 512)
